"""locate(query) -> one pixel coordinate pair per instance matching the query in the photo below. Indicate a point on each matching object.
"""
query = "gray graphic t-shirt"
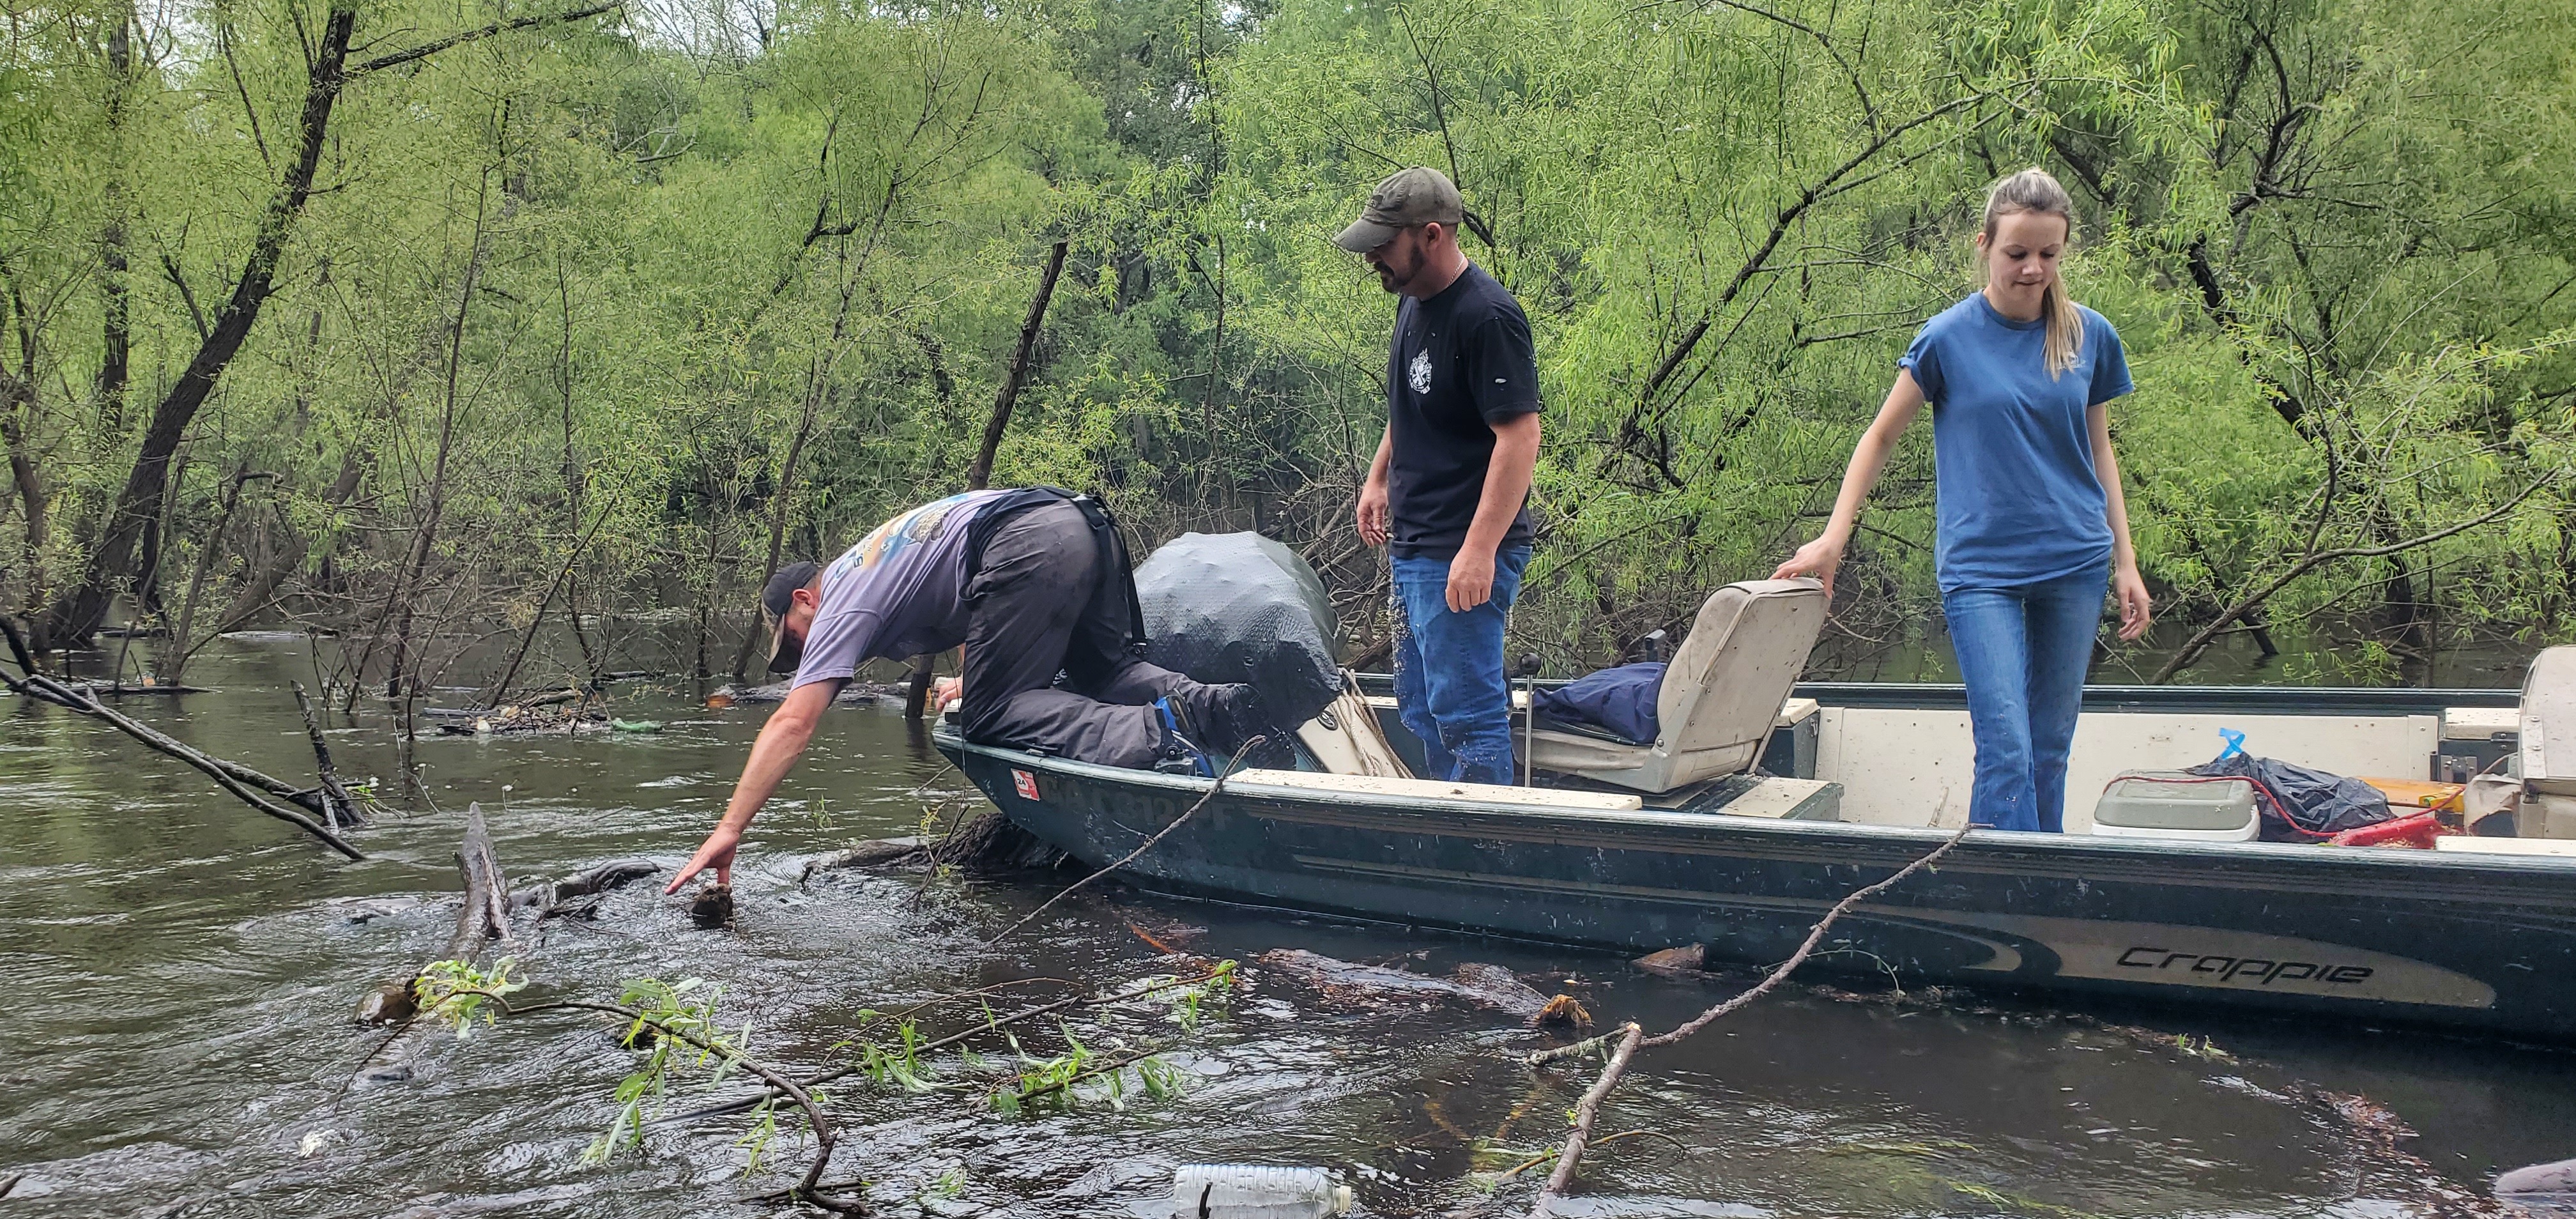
(900, 592)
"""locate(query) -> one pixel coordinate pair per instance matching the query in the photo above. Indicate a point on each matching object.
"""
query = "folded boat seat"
(1721, 694)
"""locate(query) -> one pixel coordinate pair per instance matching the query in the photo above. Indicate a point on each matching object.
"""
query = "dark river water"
(177, 975)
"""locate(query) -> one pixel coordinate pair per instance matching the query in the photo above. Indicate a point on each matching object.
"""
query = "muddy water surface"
(176, 977)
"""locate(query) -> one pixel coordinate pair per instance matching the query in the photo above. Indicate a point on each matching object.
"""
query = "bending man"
(1033, 583)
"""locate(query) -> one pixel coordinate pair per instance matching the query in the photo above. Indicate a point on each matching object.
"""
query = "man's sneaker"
(1246, 716)
(1220, 718)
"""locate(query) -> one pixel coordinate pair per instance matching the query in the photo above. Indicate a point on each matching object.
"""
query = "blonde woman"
(2031, 526)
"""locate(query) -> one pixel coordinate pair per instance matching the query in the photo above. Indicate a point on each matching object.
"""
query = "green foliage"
(1217, 989)
(456, 993)
(674, 1029)
(898, 1064)
(622, 270)
(671, 1026)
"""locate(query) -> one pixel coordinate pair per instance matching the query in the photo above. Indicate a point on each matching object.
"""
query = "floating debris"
(1486, 986)
(854, 694)
(1688, 959)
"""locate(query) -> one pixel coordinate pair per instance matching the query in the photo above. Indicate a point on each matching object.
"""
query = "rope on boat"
(1240, 753)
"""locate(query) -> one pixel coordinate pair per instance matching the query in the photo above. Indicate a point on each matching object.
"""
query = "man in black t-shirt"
(1450, 485)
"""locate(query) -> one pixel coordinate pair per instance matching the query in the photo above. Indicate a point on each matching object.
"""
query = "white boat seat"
(1721, 695)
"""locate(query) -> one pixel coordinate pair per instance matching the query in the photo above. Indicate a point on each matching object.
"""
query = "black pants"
(1031, 613)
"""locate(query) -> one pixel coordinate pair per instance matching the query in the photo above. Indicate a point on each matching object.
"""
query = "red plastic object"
(2417, 831)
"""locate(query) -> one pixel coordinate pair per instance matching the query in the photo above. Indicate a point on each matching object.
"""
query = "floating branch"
(338, 806)
(1629, 1036)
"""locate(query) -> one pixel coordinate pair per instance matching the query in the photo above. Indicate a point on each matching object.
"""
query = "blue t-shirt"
(2018, 499)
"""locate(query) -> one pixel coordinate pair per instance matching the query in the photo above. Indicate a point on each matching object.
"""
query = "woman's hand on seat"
(1818, 558)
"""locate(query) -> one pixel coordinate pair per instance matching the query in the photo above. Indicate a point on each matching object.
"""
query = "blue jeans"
(1449, 684)
(2023, 651)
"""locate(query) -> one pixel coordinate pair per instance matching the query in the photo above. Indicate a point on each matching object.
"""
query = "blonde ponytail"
(2033, 190)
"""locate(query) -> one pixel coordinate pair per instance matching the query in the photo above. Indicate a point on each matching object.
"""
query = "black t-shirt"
(1461, 362)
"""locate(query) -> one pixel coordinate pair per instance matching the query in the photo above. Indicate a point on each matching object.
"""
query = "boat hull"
(2473, 943)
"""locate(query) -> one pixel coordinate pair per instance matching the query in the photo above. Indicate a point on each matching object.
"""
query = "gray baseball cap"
(784, 652)
(1407, 197)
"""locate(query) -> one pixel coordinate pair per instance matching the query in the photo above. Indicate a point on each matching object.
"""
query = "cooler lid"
(2172, 800)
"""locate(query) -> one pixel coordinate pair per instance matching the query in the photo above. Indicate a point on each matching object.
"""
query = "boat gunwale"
(1994, 846)
(2210, 700)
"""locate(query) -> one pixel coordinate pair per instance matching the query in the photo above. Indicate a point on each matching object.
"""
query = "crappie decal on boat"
(2167, 955)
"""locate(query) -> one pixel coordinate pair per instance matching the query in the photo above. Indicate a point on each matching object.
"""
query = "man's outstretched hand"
(716, 852)
(782, 741)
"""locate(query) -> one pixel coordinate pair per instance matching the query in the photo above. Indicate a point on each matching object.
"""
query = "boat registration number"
(1024, 783)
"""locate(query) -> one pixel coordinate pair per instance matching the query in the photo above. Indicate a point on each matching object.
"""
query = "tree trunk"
(819, 390)
(981, 473)
(78, 614)
(174, 656)
(115, 326)
(779, 502)
(30, 484)
(290, 553)
(398, 603)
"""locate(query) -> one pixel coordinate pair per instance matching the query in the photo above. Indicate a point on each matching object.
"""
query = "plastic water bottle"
(1254, 1191)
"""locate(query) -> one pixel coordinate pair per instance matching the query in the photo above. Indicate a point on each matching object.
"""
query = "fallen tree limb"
(1585, 1112)
(338, 806)
(810, 1189)
(875, 852)
(483, 919)
(991, 1024)
(562, 897)
(250, 786)
(1630, 1037)
(1604, 1141)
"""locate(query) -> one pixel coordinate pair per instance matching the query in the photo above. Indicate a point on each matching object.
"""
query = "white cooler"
(2173, 804)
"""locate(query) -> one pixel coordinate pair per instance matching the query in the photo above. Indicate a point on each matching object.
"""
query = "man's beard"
(1389, 279)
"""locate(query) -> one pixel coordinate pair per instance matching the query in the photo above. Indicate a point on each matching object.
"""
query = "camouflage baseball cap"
(1408, 197)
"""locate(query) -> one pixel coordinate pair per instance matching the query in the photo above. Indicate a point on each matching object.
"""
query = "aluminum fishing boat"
(1753, 813)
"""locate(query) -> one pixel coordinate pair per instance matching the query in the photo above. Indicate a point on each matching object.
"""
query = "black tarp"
(2300, 804)
(1239, 607)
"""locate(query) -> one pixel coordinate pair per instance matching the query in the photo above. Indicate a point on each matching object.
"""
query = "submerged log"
(578, 893)
(1687, 959)
(482, 920)
(851, 695)
(1487, 986)
(874, 853)
(992, 841)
